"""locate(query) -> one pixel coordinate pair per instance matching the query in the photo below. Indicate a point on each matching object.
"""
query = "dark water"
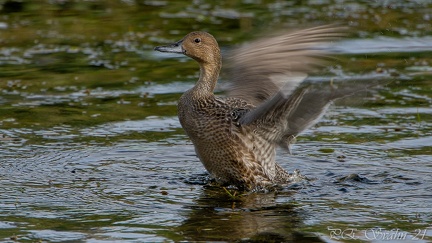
(91, 148)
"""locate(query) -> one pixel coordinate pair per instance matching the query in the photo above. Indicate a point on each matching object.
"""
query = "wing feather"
(261, 68)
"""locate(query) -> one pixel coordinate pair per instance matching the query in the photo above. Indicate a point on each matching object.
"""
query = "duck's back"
(233, 154)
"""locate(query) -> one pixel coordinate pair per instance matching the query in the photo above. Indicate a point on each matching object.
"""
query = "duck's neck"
(209, 73)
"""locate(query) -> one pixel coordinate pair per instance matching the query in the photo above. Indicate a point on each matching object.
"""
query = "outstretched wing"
(312, 104)
(280, 63)
(268, 73)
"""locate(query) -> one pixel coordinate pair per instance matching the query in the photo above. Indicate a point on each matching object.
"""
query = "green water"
(91, 148)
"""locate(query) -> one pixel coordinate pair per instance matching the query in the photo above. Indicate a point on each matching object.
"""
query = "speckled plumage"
(229, 151)
(236, 137)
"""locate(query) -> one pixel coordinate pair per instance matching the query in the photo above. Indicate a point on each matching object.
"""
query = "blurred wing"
(280, 63)
(267, 73)
(288, 117)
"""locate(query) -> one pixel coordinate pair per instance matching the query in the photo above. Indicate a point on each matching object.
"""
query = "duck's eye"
(197, 40)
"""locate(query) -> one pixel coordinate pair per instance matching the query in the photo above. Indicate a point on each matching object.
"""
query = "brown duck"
(236, 137)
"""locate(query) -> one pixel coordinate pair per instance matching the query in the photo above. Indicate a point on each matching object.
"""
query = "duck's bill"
(173, 48)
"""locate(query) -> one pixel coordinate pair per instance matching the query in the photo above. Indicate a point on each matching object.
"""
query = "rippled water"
(91, 149)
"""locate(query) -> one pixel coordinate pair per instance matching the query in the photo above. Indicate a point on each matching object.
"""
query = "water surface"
(91, 149)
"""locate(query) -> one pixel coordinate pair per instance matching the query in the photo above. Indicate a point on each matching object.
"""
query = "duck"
(236, 136)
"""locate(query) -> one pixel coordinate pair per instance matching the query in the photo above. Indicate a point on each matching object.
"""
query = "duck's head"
(198, 45)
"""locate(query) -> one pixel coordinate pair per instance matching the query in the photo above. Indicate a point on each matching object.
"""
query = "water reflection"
(91, 149)
(258, 217)
(154, 190)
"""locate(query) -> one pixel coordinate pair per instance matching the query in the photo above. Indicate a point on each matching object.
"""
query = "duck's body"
(236, 137)
(233, 154)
